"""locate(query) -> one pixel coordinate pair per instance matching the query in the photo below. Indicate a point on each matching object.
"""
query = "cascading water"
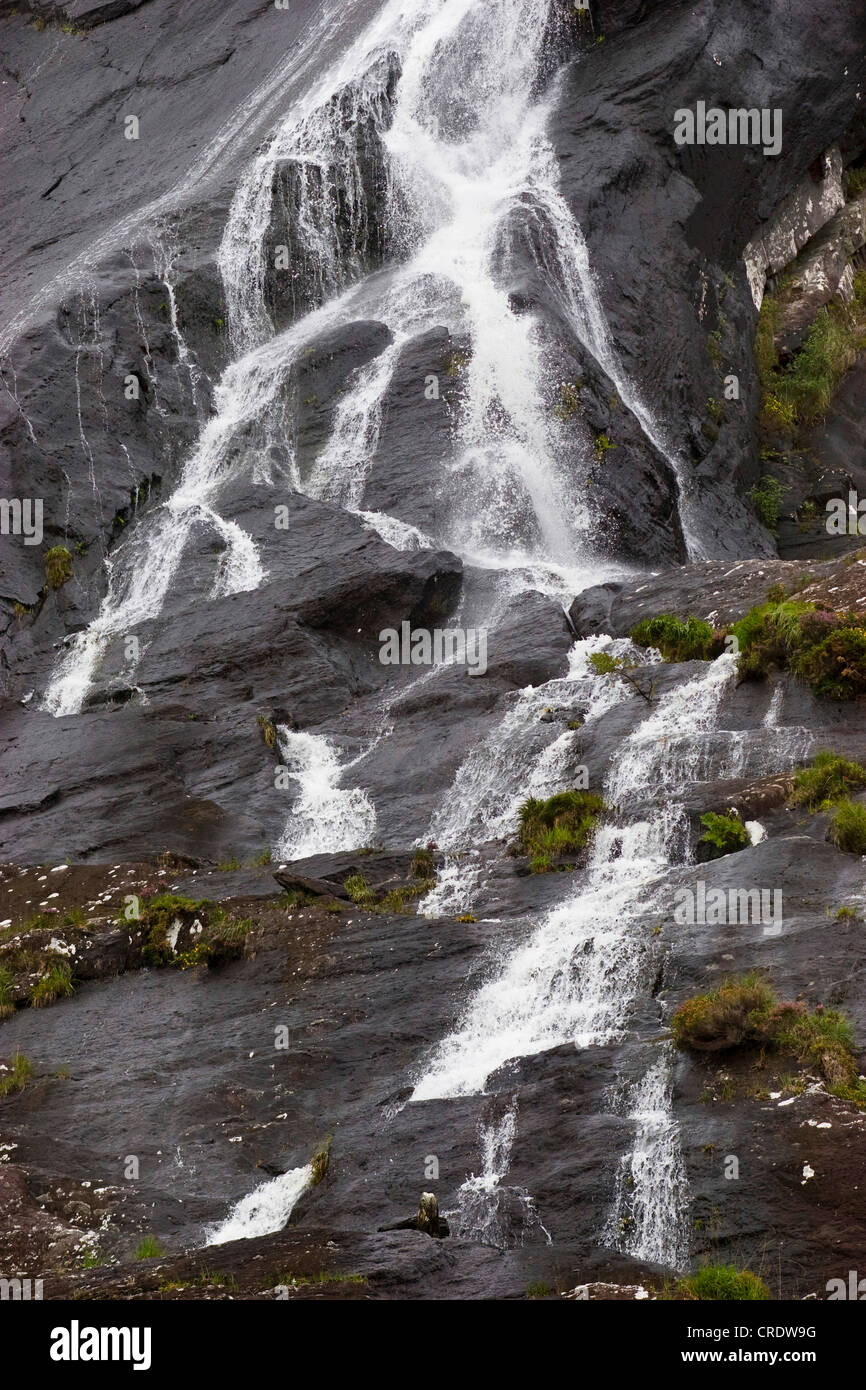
(451, 95)
(489, 1210)
(454, 98)
(325, 817)
(267, 1208)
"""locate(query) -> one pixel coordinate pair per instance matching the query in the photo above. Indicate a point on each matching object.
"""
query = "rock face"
(335, 341)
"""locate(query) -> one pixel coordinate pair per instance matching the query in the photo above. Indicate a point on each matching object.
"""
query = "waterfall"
(264, 1210)
(648, 1216)
(488, 1210)
(576, 976)
(451, 98)
(325, 817)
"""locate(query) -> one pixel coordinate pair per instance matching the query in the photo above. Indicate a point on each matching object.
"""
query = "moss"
(691, 639)
(269, 730)
(58, 566)
(720, 1283)
(321, 1160)
(830, 779)
(848, 827)
(18, 1076)
(455, 362)
(539, 1290)
(228, 866)
(569, 400)
(561, 825)
(158, 914)
(723, 834)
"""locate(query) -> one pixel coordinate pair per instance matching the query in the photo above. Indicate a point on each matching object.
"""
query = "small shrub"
(848, 827)
(58, 566)
(359, 890)
(678, 639)
(734, 1013)
(539, 1290)
(269, 730)
(829, 779)
(723, 834)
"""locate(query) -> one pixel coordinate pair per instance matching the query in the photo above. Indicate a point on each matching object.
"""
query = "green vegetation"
(829, 779)
(148, 1249)
(228, 866)
(422, 864)
(797, 395)
(848, 827)
(766, 498)
(221, 938)
(604, 664)
(261, 860)
(691, 639)
(718, 1283)
(7, 985)
(745, 1012)
(603, 443)
(455, 362)
(855, 181)
(561, 825)
(18, 1075)
(569, 400)
(399, 897)
(826, 649)
(723, 834)
(269, 730)
(55, 984)
(299, 1281)
(58, 566)
(320, 1162)
(539, 1290)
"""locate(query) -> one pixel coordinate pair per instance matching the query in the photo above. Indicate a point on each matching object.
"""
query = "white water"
(576, 976)
(648, 1218)
(465, 152)
(264, 1210)
(464, 148)
(489, 1210)
(325, 817)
